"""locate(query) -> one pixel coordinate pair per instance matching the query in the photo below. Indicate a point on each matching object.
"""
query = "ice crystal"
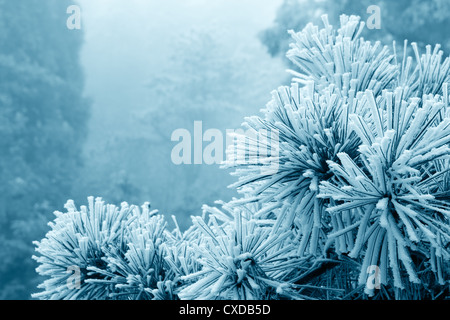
(313, 122)
(138, 269)
(313, 129)
(242, 259)
(390, 188)
(77, 241)
(371, 133)
(118, 253)
(430, 73)
(341, 57)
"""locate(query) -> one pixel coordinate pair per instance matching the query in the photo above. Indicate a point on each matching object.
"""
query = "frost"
(363, 180)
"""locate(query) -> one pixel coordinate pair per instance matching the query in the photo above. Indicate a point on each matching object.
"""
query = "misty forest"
(112, 111)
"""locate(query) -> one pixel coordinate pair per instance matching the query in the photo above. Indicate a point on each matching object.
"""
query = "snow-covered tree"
(361, 185)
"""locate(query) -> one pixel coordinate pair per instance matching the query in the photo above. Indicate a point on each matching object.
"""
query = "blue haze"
(90, 112)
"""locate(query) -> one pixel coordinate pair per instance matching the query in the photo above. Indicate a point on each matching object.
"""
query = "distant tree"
(43, 118)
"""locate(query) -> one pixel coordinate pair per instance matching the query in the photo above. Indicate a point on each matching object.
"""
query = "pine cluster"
(362, 185)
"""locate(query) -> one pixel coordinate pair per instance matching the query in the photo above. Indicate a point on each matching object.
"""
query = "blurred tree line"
(424, 22)
(43, 118)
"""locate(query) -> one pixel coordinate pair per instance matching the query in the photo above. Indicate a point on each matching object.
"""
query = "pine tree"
(361, 185)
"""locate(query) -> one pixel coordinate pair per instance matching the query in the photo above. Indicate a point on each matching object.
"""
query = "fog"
(127, 43)
(130, 46)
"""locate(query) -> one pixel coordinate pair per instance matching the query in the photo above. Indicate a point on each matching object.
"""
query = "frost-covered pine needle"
(241, 260)
(359, 170)
(313, 129)
(139, 271)
(77, 241)
(341, 57)
(392, 189)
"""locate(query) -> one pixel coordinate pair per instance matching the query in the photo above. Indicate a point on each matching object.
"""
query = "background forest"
(91, 111)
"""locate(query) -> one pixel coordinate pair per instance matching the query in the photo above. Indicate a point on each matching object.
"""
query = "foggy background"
(152, 67)
(91, 111)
